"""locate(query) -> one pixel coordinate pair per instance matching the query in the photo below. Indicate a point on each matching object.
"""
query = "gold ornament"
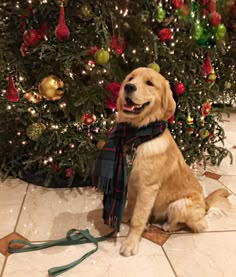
(33, 96)
(35, 130)
(51, 88)
(189, 119)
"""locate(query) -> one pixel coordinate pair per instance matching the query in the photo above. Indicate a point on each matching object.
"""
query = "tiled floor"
(41, 214)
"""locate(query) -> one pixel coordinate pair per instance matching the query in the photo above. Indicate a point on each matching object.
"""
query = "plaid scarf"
(110, 173)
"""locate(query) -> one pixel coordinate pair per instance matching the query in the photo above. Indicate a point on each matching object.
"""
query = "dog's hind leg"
(185, 212)
(143, 206)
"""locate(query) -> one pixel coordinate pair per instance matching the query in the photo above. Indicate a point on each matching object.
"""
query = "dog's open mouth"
(131, 107)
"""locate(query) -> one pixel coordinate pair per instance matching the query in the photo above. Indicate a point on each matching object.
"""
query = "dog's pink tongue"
(130, 108)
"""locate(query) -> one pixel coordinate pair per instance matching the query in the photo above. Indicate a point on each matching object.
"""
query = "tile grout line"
(21, 207)
(172, 267)
(3, 267)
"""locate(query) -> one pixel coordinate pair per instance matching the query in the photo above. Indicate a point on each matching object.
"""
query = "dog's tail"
(218, 201)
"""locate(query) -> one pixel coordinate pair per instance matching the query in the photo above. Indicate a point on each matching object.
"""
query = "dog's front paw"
(129, 247)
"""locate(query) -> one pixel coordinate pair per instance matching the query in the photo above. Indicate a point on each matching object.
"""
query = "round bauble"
(86, 12)
(204, 133)
(31, 37)
(102, 56)
(211, 6)
(154, 66)
(198, 31)
(221, 30)
(88, 118)
(177, 4)
(214, 19)
(51, 88)
(179, 88)
(35, 130)
(211, 78)
(160, 14)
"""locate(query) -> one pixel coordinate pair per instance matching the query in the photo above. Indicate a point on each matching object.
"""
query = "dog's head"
(144, 97)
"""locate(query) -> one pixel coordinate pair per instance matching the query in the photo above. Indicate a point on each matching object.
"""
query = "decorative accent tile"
(5, 240)
(234, 147)
(212, 175)
(156, 235)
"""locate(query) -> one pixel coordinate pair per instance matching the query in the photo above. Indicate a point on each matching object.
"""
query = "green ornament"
(35, 130)
(101, 56)
(220, 31)
(86, 12)
(198, 30)
(154, 66)
(204, 133)
(160, 14)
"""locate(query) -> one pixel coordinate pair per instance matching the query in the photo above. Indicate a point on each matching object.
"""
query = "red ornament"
(69, 172)
(61, 31)
(179, 88)
(11, 94)
(31, 38)
(93, 49)
(88, 119)
(165, 34)
(41, 31)
(171, 119)
(206, 66)
(214, 19)
(114, 89)
(211, 6)
(118, 44)
(204, 12)
(203, 2)
(206, 108)
(177, 4)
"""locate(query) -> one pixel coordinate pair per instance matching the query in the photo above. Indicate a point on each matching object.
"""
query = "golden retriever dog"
(161, 185)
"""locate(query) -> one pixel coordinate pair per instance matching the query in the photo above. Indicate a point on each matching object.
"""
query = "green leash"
(73, 237)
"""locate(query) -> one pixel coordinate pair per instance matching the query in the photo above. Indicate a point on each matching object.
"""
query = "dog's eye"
(149, 83)
(131, 78)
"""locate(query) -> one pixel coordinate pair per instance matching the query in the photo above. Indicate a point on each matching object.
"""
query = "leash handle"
(73, 237)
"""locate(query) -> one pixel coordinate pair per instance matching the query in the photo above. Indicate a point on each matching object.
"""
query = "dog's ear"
(168, 103)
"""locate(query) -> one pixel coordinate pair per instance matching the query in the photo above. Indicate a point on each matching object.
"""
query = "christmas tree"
(62, 63)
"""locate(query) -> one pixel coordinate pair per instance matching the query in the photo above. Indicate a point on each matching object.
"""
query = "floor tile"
(5, 241)
(49, 213)
(106, 262)
(12, 192)
(229, 182)
(2, 259)
(205, 255)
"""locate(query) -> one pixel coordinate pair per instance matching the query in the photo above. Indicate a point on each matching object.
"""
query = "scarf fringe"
(105, 185)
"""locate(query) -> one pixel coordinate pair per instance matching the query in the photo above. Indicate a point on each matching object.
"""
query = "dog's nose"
(129, 88)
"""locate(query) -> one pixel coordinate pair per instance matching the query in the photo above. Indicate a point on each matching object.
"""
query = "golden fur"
(161, 185)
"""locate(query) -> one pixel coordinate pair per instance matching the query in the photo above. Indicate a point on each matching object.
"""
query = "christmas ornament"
(177, 4)
(51, 88)
(204, 12)
(90, 65)
(33, 97)
(154, 66)
(220, 31)
(204, 2)
(206, 66)
(211, 78)
(160, 14)
(190, 130)
(205, 110)
(31, 37)
(62, 32)
(211, 6)
(101, 56)
(118, 44)
(92, 49)
(179, 88)
(86, 12)
(100, 144)
(227, 85)
(69, 172)
(203, 133)
(111, 99)
(165, 34)
(11, 93)
(214, 19)
(88, 118)
(184, 10)
(189, 119)
(198, 30)
(35, 130)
